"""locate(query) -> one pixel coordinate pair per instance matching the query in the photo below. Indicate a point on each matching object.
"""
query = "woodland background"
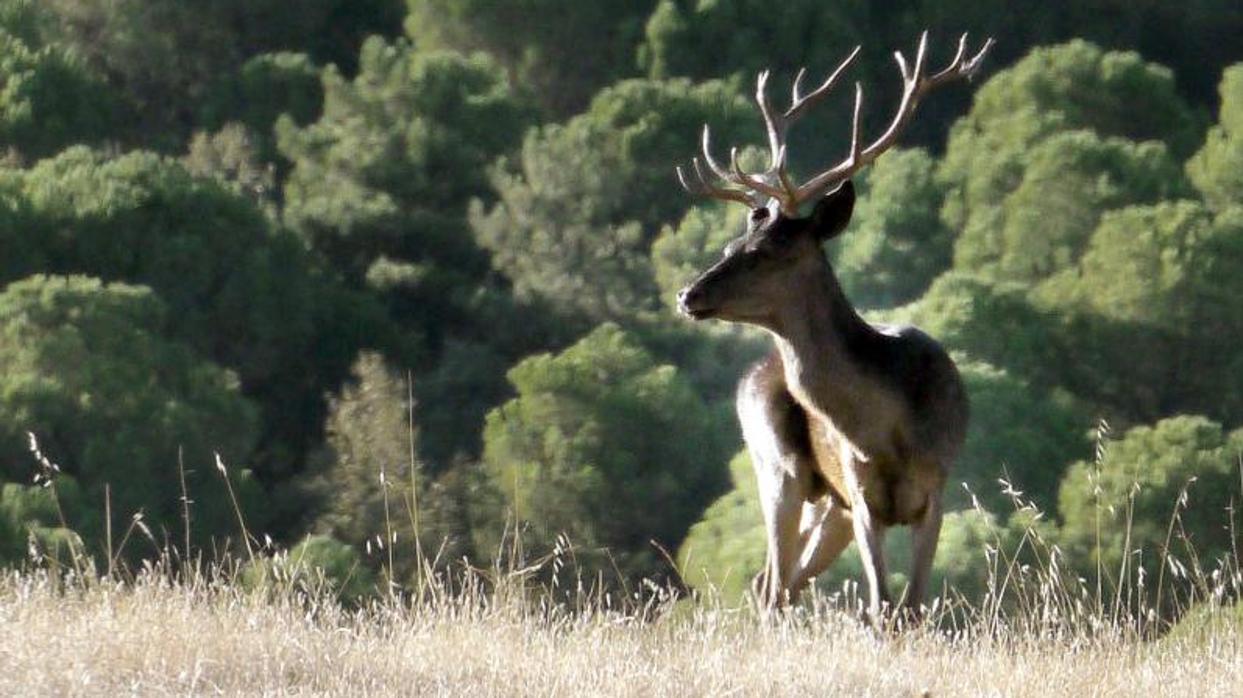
(408, 269)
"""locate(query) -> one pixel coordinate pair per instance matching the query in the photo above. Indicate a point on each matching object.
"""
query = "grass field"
(154, 637)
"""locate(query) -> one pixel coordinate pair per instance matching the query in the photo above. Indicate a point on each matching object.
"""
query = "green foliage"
(112, 401)
(367, 460)
(232, 156)
(316, 565)
(237, 290)
(1217, 169)
(582, 204)
(396, 155)
(49, 99)
(1041, 223)
(562, 63)
(725, 550)
(167, 57)
(1007, 177)
(372, 496)
(575, 453)
(379, 188)
(704, 39)
(265, 88)
(1167, 276)
(1184, 467)
(897, 244)
(30, 517)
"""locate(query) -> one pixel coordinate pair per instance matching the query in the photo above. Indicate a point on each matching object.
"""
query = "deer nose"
(691, 301)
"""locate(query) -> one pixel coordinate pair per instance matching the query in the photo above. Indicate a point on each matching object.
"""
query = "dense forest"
(388, 280)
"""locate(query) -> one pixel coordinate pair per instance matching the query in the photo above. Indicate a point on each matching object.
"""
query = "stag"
(852, 427)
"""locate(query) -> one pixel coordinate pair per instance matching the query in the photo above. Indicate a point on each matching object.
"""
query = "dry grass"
(153, 637)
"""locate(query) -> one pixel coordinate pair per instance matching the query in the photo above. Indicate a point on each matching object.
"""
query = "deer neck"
(822, 341)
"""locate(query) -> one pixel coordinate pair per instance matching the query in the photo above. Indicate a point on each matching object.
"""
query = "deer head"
(762, 267)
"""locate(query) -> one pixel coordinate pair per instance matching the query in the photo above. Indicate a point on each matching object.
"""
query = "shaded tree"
(379, 189)
(50, 99)
(1042, 223)
(897, 243)
(580, 206)
(1070, 87)
(239, 290)
(112, 401)
(574, 453)
(1136, 491)
(561, 62)
(1217, 168)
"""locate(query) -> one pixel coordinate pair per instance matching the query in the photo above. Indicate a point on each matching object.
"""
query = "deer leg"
(781, 503)
(832, 531)
(870, 535)
(924, 543)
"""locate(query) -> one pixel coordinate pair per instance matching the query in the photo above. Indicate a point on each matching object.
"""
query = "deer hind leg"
(924, 537)
(828, 534)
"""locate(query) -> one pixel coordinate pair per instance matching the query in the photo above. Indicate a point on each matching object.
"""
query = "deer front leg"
(781, 502)
(924, 542)
(870, 536)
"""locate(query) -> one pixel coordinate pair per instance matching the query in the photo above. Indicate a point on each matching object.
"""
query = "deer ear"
(832, 212)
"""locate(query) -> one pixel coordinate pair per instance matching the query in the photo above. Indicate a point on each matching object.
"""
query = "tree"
(318, 565)
(1184, 467)
(239, 290)
(30, 520)
(1042, 224)
(1169, 272)
(265, 88)
(1070, 87)
(561, 61)
(396, 155)
(1217, 169)
(897, 244)
(50, 99)
(88, 371)
(379, 188)
(573, 453)
(581, 205)
(371, 494)
(166, 57)
(1019, 434)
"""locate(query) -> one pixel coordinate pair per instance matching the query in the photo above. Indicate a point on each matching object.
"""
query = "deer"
(852, 427)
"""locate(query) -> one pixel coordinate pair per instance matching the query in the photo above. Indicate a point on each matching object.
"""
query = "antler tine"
(914, 87)
(772, 123)
(706, 143)
(959, 68)
(800, 103)
(701, 187)
(775, 182)
(754, 182)
(854, 125)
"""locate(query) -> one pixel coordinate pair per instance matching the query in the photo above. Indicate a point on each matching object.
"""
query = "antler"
(754, 189)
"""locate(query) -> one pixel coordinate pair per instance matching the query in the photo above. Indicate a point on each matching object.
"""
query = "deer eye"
(759, 214)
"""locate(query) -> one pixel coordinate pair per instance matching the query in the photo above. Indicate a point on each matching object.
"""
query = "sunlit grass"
(208, 635)
(75, 625)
